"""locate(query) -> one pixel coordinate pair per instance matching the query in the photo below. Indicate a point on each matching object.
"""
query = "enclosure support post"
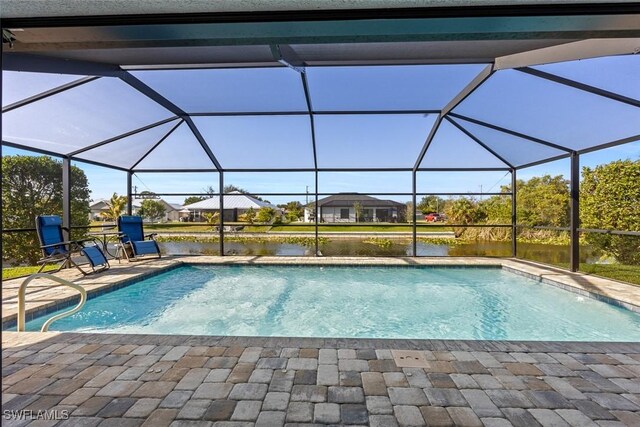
(129, 193)
(66, 196)
(221, 219)
(414, 216)
(315, 216)
(575, 212)
(514, 227)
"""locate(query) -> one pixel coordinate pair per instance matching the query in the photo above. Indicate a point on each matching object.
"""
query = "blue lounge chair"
(56, 250)
(133, 237)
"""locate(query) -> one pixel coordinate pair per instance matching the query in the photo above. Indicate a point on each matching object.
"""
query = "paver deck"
(157, 380)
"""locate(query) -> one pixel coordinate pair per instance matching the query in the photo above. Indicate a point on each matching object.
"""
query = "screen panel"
(550, 111)
(19, 85)
(517, 151)
(180, 150)
(371, 141)
(127, 151)
(462, 182)
(407, 87)
(617, 74)
(81, 116)
(365, 182)
(259, 142)
(451, 148)
(271, 182)
(229, 90)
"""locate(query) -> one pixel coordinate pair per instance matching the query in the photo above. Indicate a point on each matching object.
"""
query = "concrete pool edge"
(609, 291)
(333, 343)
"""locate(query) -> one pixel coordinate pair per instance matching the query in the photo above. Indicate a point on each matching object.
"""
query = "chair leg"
(74, 264)
(124, 251)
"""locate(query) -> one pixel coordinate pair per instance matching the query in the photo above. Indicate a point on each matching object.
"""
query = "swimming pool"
(363, 302)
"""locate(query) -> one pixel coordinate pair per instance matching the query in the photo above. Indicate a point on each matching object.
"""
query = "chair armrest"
(86, 239)
(70, 246)
(151, 235)
(57, 244)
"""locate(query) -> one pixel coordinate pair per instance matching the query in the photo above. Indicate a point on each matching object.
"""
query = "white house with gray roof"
(235, 204)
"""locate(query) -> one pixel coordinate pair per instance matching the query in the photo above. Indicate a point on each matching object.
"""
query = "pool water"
(362, 302)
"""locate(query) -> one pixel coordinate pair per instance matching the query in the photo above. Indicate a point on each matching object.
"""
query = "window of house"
(344, 213)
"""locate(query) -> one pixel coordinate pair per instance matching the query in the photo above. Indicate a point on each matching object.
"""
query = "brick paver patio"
(129, 380)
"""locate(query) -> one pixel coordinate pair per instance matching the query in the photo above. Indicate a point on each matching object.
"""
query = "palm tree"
(116, 205)
(213, 219)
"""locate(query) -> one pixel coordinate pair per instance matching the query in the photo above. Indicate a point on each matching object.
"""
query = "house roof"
(136, 204)
(348, 199)
(94, 203)
(233, 200)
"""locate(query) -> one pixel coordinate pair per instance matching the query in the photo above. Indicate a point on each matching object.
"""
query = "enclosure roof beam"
(583, 49)
(146, 90)
(284, 54)
(307, 97)
(118, 137)
(151, 93)
(463, 169)
(156, 144)
(610, 144)
(18, 61)
(35, 150)
(511, 132)
(53, 154)
(476, 140)
(48, 93)
(482, 76)
(427, 142)
(305, 112)
(543, 161)
(203, 143)
(580, 86)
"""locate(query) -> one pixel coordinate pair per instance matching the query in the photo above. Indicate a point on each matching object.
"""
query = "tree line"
(609, 200)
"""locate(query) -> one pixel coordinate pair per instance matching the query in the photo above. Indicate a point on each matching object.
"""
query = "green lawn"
(295, 227)
(356, 228)
(624, 273)
(181, 227)
(256, 228)
(13, 272)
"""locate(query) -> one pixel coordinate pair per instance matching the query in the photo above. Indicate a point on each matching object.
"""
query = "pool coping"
(547, 346)
(609, 291)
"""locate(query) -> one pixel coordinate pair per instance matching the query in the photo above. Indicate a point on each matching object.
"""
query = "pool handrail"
(21, 300)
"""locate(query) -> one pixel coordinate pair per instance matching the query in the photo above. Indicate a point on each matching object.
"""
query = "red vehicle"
(433, 217)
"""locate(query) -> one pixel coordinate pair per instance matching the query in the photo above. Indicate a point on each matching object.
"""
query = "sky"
(106, 107)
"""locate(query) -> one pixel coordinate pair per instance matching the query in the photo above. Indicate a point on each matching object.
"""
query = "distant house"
(342, 208)
(171, 210)
(235, 204)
